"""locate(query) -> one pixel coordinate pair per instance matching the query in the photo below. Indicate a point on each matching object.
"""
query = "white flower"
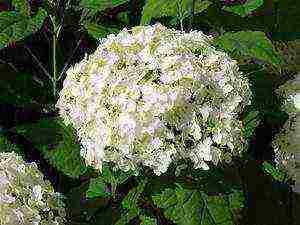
(227, 88)
(156, 143)
(296, 100)
(37, 193)
(117, 105)
(17, 205)
(205, 110)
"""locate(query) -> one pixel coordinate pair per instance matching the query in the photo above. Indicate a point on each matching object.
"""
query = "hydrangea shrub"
(152, 95)
(25, 197)
(286, 143)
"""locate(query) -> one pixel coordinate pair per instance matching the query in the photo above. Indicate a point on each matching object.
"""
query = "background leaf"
(100, 5)
(253, 44)
(57, 143)
(244, 9)
(97, 188)
(99, 31)
(16, 26)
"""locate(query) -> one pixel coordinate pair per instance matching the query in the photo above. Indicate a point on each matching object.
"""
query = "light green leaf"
(192, 207)
(98, 31)
(22, 6)
(97, 188)
(200, 6)
(148, 220)
(244, 9)
(276, 173)
(252, 44)
(175, 8)
(160, 8)
(100, 5)
(57, 143)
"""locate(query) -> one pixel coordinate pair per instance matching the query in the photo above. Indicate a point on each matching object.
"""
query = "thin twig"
(69, 59)
(10, 64)
(39, 63)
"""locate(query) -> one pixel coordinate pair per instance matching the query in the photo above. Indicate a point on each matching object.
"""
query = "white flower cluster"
(25, 198)
(152, 95)
(286, 144)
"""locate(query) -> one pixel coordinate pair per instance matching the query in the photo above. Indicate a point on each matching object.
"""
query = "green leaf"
(97, 188)
(276, 173)
(22, 6)
(98, 31)
(160, 8)
(192, 207)
(200, 6)
(57, 143)
(244, 9)
(175, 8)
(147, 220)
(251, 121)
(129, 203)
(7, 146)
(253, 44)
(100, 5)
(16, 26)
(14, 89)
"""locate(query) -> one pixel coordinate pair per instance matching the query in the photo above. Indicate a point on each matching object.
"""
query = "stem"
(39, 63)
(192, 10)
(69, 59)
(54, 63)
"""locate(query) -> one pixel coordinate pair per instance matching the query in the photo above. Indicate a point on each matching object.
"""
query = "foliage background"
(29, 123)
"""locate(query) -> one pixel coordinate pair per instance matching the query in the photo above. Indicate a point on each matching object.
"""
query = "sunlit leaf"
(244, 9)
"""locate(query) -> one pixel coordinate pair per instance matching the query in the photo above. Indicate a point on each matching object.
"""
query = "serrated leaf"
(97, 188)
(252, 44)
(57, 143)
(192, 207)
(16, 26)
(100, 5)
(129, 203)
(99, 31)
(244, 9)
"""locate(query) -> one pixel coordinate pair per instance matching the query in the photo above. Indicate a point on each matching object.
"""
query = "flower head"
(144, 92)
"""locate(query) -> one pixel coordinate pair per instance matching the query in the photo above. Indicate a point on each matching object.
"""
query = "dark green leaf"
(16, 26)
(100, 5)
(253, 44)
(191, 207)
(57, 143)
(98, 31)
(251, 121)
(97, 188)
(246, 8)
(129, 203)
(7, 146)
